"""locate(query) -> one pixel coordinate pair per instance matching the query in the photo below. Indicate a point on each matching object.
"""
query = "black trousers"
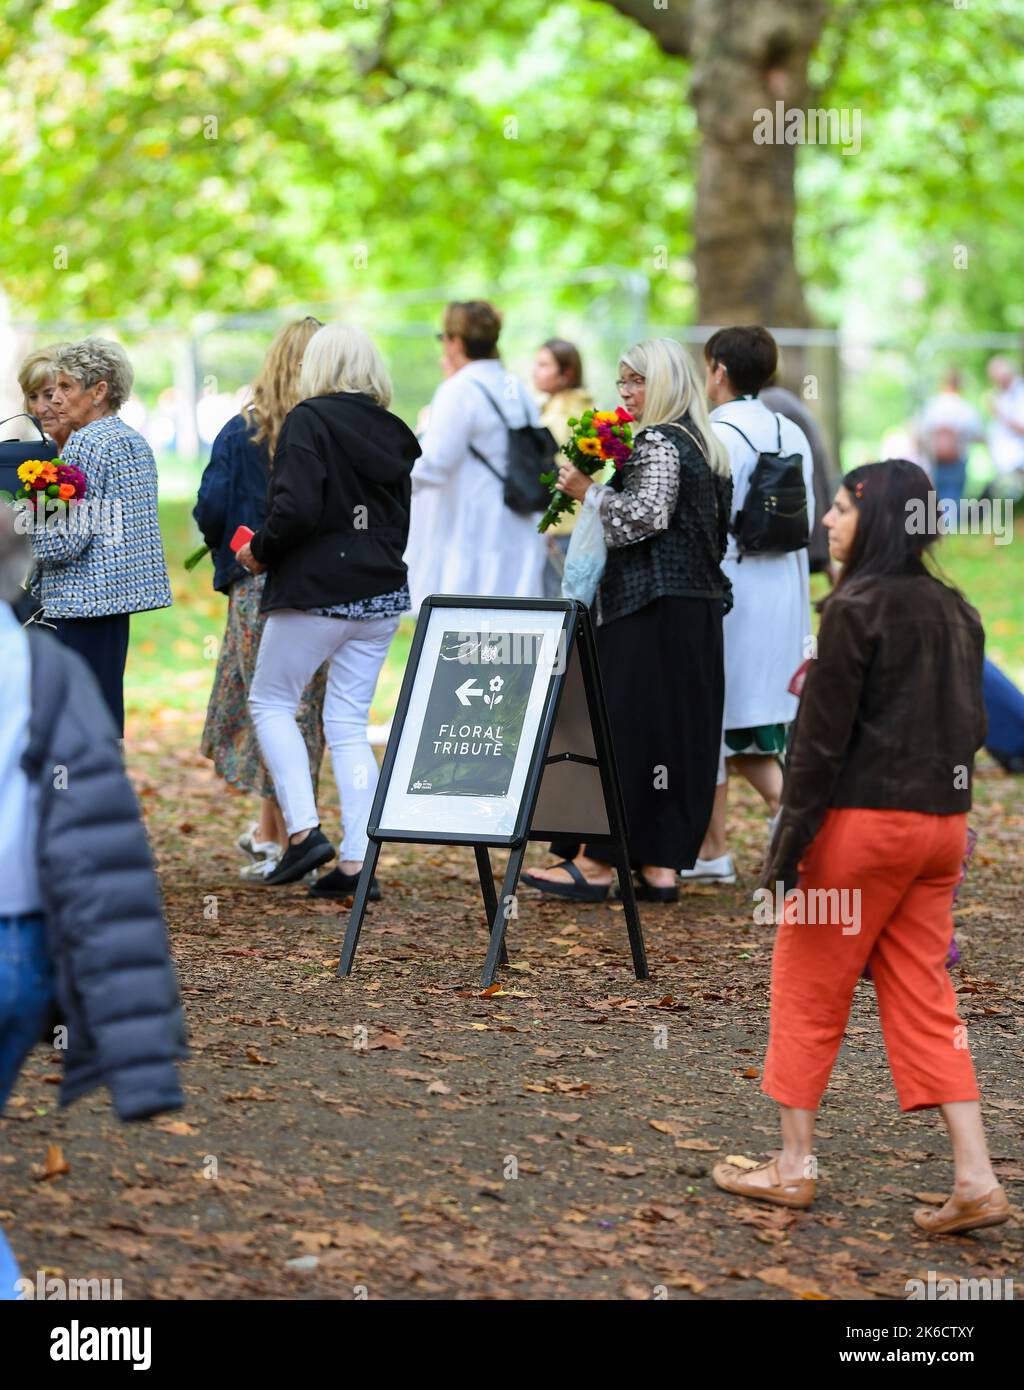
(102, 643)
(663, 674)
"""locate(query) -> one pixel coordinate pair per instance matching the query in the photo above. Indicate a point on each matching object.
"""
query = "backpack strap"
(778, 427)
(740, 433)
(476, 452)
(48, 692)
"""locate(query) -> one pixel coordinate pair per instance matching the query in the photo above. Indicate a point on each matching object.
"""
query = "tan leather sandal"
(957, 1215)
(798, 1193)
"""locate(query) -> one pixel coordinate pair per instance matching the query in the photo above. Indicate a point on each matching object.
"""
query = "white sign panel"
(472, 721)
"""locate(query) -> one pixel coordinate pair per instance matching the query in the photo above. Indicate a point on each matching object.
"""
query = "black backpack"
(773, 519)
(531, 452)
(15, 452)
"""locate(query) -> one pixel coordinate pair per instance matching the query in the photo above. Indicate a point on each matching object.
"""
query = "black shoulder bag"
(773, 519)
(15, 452)
(531, 452)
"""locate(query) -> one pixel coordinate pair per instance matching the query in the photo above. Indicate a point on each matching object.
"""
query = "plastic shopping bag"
(587, 553)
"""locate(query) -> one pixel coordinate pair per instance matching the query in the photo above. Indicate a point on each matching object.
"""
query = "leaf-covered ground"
(553, 1140)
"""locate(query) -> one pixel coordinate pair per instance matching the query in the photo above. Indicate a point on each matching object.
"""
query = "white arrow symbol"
(465, 690)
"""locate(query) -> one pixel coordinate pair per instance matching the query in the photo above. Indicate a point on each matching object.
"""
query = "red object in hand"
(241, 537)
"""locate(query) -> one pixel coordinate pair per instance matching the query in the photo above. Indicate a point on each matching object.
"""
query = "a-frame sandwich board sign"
(500, 737)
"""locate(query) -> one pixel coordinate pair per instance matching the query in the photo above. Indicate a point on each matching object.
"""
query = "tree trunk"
(745, 55)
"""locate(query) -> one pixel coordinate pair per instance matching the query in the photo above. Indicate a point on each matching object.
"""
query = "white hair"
(340, 358)
(673, 389)
(94, 360)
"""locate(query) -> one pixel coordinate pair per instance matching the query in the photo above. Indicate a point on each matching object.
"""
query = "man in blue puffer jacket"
(82, 933)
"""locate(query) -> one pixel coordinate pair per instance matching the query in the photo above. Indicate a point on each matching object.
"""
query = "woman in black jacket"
(233, 493)
(336, 529)
(870, 842)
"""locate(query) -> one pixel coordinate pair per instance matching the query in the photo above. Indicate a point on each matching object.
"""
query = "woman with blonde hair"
(332, 543)
(659, 611)
(37, 377)
(233, 493)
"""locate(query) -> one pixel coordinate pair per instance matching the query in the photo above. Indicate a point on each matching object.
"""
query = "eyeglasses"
(633, 381)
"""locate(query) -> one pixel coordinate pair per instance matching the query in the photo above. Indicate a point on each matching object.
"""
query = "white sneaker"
(258, 870)
(720, 870)
(258, 849)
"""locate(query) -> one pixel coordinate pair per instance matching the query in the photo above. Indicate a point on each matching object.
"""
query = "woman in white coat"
(462, 537)
(767, 632)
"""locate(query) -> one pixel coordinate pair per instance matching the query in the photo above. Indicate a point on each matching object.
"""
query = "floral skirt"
(229, 738)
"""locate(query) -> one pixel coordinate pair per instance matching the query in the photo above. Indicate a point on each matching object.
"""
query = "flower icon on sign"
(495, 686)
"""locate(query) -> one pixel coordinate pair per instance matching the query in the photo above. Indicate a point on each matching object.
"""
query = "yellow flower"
(606, 417)
(30, 470)
(589, 446)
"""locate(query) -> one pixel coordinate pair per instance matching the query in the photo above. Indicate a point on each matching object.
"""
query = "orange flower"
(67, 491)
(47, 474)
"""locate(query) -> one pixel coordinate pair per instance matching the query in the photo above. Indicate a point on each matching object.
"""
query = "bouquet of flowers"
(50, 478)
(598, 437)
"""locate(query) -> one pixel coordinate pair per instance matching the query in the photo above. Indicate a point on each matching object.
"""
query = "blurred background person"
(767, 630)
(233, 493)
(948, 426)
(558, 379)
(659, 609)
(1006, 432)
(81, 922)
(91, 582)
(462, 537)
(336, 529)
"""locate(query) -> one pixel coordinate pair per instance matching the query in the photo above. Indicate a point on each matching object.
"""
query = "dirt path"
(397, 1135)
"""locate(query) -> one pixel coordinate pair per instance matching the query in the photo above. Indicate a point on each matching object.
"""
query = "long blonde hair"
(673, 388)
(276, 389)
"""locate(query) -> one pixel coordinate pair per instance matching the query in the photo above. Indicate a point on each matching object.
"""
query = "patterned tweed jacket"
(106, 555)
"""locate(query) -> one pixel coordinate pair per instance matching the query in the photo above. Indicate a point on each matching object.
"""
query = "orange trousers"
(894, 872)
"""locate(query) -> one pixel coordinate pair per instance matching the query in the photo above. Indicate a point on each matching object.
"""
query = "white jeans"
(294, 645)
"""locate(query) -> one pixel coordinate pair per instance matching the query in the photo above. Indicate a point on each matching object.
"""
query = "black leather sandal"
(579, 891)
(648, 893)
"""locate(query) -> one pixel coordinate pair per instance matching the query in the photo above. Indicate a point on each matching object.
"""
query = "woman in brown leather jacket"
(870, 842)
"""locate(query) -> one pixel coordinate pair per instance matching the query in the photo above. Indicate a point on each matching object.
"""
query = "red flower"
(624, 414)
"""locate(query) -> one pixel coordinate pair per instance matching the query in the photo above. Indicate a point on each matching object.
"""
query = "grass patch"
(174, 651)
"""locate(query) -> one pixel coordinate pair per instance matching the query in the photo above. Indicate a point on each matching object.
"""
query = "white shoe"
(720, 870)
(258, 849)
(258, 870)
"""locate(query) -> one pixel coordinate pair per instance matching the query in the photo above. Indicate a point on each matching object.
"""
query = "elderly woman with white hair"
(659, 613)
(104, 560)
(332, 543)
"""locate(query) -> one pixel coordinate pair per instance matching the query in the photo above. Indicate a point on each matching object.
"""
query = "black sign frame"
(577, 633)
